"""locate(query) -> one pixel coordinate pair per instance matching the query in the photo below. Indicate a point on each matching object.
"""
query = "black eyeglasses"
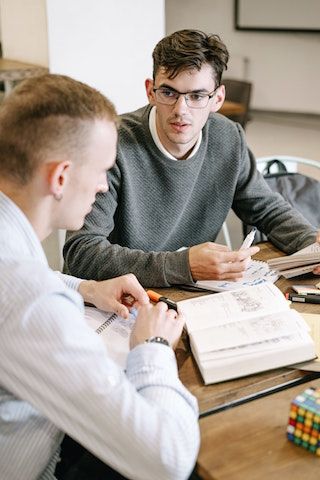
(168, 96)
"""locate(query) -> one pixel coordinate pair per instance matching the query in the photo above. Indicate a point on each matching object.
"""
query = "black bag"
(301, 191)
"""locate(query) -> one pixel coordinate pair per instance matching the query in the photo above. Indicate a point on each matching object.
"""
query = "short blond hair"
(45, 115)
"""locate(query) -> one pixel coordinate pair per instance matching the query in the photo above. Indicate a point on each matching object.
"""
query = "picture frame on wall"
(277, 15)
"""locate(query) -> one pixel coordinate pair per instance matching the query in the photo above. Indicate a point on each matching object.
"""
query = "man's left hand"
(115, 295)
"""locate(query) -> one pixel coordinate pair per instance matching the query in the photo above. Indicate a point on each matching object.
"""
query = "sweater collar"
(156, 139)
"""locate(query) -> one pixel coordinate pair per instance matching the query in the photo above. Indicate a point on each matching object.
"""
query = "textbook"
(114, 330)
(245, 331)
(257, 272)
(298, 263)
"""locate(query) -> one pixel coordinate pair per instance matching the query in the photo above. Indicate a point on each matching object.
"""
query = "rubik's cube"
(304, 420)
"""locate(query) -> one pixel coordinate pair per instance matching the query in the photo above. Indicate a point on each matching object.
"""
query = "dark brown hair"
(46, 115)
(190, 49)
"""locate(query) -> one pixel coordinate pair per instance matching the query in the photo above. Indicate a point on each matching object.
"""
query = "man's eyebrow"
(199, 90)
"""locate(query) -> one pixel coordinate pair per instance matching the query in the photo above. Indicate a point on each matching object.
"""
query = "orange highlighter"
(155, 297)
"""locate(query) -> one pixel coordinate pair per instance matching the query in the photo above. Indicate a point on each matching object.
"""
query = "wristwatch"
(158, 340)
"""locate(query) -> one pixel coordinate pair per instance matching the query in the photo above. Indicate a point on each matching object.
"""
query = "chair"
(301, 191)
(238, 91)
(289, 161)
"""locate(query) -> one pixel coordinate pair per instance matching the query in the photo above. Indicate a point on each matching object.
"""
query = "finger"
(254, 250)
(133, 288)
(232, 267)
(229, 276)
(172, 314)
(162, 307)
(316, 270)
(127, 300)
(119, 309)
(240, 255)
(217, 246)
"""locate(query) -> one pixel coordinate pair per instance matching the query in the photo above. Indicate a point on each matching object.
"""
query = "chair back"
(301, 191)
(239, 91)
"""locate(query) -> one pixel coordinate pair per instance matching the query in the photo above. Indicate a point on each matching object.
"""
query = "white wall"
(284, 67)
(107, 44)
(24, 31)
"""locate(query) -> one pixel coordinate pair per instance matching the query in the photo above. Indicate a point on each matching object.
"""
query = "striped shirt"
(56, 376)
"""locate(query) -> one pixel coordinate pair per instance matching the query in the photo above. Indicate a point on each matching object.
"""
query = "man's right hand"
(157, 321)
(211, 261)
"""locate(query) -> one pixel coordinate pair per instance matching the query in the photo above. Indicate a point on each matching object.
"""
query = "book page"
(295, 272)
(313, 248)
(257, 272)
(245, 332)
(221, 308)
(274, 344)
(306, 258)
(114, 330)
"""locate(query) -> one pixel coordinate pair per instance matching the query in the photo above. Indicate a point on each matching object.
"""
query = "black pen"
(313, 298)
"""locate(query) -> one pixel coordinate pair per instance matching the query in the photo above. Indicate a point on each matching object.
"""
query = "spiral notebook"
(115, 331)
(258, 272)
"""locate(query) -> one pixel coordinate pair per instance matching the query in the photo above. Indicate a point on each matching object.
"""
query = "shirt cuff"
(70, 281)
(151, 359)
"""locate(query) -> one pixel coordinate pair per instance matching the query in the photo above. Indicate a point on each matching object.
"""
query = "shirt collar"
(156, 139)
(17, 236)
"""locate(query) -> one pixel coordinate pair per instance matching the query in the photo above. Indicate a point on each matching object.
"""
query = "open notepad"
(245, 331)
(114, 330)
(257, 273)
(299, 263)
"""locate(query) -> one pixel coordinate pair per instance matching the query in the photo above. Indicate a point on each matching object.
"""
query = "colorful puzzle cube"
(304, 420)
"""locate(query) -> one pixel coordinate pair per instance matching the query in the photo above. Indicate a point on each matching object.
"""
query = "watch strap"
(158, 339)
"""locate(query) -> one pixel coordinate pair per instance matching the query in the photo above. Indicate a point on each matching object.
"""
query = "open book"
(257, 272)
(299, 263)
(245, 331)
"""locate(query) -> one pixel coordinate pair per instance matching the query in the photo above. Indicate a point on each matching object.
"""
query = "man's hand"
(114, 295)
(157, 321)
(211, 261)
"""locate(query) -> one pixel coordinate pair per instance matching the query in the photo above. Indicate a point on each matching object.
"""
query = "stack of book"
(299, 263)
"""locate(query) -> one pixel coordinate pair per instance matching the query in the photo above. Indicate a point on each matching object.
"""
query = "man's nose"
(181, 104)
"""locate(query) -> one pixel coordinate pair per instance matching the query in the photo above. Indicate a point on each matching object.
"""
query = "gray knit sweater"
(156, 205)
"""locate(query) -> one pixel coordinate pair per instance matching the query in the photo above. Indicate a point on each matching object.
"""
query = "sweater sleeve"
(91, 253)
(256, 204)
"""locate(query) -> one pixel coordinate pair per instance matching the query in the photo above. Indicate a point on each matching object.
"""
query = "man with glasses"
(180, 168)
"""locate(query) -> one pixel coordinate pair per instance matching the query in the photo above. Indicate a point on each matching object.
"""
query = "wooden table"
(248, 442)
(12, 71)
(232, 108)
(216, 397)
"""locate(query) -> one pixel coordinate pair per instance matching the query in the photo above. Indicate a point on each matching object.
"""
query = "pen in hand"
(156, 297)
(247, 242)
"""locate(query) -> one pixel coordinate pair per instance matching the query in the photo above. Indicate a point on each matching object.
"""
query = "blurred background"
(274, 48)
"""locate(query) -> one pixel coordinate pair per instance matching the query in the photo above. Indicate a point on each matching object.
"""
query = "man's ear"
(149, 84)
(57, 177)
(218, 99)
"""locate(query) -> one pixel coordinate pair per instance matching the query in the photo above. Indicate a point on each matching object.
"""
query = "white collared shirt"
(156, 139)
(55, 375)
